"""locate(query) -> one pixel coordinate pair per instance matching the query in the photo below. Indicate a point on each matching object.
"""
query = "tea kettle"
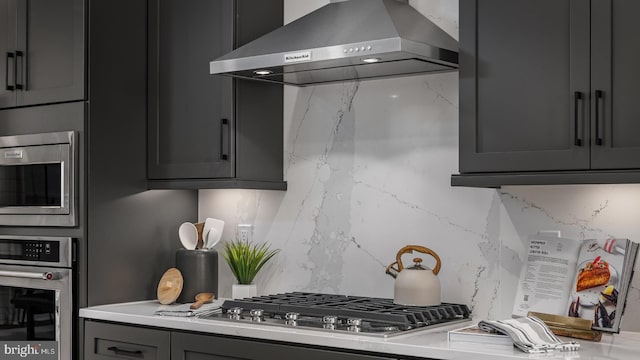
(416, 285)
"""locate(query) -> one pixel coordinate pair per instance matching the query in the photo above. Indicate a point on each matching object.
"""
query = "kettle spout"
(393, 271)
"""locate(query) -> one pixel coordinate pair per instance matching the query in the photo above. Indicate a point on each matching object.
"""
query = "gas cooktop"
(353, 314)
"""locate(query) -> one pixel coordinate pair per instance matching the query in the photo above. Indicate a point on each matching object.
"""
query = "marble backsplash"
(368, 167)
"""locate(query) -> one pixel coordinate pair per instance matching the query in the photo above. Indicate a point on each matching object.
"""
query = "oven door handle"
(48, 275)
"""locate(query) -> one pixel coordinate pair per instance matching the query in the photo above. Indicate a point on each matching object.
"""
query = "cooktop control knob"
(234, 311)
(291, 316)
(354, 322)
(352, 328)
(330, 319)
(256, 314)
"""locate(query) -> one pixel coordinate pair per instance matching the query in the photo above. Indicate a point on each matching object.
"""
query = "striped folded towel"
(529, 334)
(184, 310)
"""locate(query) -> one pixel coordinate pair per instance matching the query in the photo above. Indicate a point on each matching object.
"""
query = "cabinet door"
(614, 76)
(7, 53)
(524, 83)
(190, 111)
(51, 42)
(186, 346)
(103, 341)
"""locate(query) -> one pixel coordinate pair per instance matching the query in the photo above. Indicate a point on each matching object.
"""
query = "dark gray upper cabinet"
(8, 17)
(518, 71)
(190, 111)
(209, 131)
(42, 48)
(615, 74)
(547, 92)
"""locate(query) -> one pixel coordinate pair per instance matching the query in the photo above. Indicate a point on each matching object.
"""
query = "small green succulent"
(245, 259)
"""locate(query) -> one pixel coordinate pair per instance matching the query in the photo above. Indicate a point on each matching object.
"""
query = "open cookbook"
(581, 278)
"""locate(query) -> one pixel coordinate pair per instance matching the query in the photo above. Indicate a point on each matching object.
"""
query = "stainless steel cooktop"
(340, 313)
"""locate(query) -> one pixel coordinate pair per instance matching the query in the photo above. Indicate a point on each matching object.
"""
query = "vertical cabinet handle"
(576, 118)
(224, 139)
(11, 57)
(599, 96)
(19, 55)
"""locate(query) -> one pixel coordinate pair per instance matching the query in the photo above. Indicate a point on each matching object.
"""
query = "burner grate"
(365, 308)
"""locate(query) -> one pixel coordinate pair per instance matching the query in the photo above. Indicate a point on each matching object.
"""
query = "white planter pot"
(240, 291)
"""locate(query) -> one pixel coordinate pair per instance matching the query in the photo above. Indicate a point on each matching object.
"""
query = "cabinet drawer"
(185, 346)
(110, 341)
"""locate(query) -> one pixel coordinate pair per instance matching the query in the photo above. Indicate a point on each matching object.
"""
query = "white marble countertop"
(430, 343)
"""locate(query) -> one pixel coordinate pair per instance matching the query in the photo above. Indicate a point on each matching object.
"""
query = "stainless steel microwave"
(37, 179)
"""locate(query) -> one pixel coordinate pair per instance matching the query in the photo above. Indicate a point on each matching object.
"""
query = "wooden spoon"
(202, 298)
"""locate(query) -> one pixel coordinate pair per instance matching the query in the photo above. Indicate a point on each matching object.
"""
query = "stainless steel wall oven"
(37, 179)
(37, 292)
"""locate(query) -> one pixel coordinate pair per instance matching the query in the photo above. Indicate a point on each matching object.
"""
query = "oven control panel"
(41, 251)
(30, 250)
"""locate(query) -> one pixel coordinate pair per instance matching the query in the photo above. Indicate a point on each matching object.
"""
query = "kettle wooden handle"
(418, 248)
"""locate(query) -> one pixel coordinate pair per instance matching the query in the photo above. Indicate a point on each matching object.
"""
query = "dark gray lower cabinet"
(112, 341)
(118, 341)
(185, 346)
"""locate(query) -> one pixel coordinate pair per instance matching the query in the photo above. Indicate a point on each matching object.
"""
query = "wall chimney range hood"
(343, 41)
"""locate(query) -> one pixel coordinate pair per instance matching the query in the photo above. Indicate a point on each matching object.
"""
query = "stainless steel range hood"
(342, 41)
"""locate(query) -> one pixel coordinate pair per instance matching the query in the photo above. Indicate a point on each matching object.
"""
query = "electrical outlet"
(244, 232)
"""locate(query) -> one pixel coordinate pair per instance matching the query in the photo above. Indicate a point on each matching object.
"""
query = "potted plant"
(245, 260)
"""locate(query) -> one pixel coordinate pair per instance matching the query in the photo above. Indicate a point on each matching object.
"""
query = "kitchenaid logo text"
(13, 154)
(297, 57)
(46, 350)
